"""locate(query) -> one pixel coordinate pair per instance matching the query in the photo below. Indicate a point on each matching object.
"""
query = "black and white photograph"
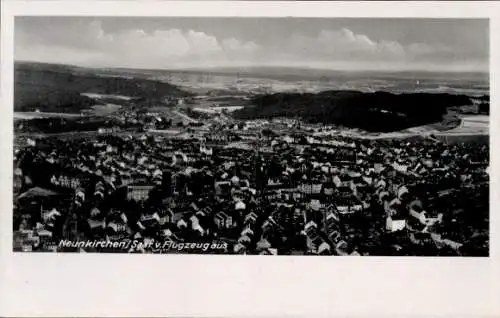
(251, 136)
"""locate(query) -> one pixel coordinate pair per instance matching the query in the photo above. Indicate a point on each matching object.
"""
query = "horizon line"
(221, 68)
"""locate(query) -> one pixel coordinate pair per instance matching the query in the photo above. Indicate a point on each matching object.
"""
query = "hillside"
(58, 88)
(379, 111)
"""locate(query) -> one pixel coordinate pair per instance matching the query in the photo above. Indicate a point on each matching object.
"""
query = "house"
(244, 240)
(223, 221)
(328, 189)
(316, 204)
(223, 188)
(331, 221)
(167, 216)
(31, 142)
(316, 188)
(305, 188)
(401, 168)
(179, 158)
(107, 130)
(44, 237)
(394, 225)
(263, 244)
(18, 179)
(66, 181)
(50, 216)
(381, 184)
(79, 195)
(342, 248)
(392, 205)
(418, 213)
(250, 218)
(383, 197)
(206, 151)
(140, 225)
(166, 233)
(118, 230)
(271, 195)
(235, 180)
(96, 225)
(345, 189)
(334, 236)
(402, 192)
(324, 249)
(420, 238)
(219, 137)
(269, 251)
(268, 225)
(313, 239)
(247, 231)
(199, 229)
(149, 220)
(272, 221)
(181, 224)
(240, 205)
(138, 192)
(348, 205)
(356, 206)
(95, 212)
(239, 248)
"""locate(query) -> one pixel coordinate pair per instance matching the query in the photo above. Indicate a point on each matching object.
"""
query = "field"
(103, 110)
(473, 128)
(217, 110)
(289, 79)
(33, 115)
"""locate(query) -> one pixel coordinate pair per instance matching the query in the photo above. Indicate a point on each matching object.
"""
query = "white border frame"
(186, 285)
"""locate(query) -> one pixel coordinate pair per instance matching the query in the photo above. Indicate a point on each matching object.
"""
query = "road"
(186, 117)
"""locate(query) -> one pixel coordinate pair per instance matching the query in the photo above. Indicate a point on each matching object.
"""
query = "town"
(266, 186)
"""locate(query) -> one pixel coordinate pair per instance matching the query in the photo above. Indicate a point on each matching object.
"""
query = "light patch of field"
(206, 110)
(100, 96)
(102, 110)
(217, 110)
(476, 120)
(472, 129)
(166, 131)
(472, 125)
(34, 115)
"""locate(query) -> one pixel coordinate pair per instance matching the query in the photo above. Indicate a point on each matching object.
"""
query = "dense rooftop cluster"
(254, 189)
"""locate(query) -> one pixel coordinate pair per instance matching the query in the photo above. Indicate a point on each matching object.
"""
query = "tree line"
(378, 111)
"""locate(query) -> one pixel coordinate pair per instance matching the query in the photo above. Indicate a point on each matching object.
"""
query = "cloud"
(345, 45)
(134, 47)
(345, 49)
(88, 44)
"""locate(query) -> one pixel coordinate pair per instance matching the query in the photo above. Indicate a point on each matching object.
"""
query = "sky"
(326, 43)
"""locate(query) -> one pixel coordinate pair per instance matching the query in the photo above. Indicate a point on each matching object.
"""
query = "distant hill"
(304, 73)
(307, 73)
(379, 111)
(58, 88)
(476, 83)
